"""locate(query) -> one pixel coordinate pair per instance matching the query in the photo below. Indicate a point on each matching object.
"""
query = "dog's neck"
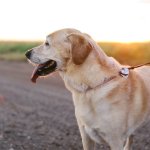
(90, 74)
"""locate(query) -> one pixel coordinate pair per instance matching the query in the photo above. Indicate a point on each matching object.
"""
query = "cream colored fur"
(108, 113)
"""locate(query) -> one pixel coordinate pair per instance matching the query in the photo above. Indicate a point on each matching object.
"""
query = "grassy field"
(11, 50)
(126, 53)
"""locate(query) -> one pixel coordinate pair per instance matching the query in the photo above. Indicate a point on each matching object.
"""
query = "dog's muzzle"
(43, 69)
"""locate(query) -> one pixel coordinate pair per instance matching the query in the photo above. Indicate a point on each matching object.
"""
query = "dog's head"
(60, 47)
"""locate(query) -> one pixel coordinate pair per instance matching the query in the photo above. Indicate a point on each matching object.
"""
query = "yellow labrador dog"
(110, 101)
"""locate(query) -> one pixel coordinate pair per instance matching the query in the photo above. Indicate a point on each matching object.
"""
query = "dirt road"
(41, 116)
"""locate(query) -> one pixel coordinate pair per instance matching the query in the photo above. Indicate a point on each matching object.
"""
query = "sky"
(104, 20)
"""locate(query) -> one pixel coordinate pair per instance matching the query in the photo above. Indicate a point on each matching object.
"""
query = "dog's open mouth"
(43, 69)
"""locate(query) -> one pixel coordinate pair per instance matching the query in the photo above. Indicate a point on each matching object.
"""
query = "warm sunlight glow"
(104, 20)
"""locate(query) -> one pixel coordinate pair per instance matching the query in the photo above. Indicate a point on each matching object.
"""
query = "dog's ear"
(80, 48)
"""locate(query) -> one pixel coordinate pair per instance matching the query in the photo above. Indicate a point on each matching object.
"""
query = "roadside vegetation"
(126, 53)
(10, 50)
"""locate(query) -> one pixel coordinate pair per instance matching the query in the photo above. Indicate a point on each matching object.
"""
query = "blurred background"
(121, 27)
(41, 116)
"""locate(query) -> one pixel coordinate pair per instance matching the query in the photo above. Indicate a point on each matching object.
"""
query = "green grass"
(11, 50)
(126, 53)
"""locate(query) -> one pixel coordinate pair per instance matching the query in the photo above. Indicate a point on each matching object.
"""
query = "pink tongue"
(34, 75)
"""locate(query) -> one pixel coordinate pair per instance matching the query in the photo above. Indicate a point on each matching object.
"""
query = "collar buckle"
(124, 72)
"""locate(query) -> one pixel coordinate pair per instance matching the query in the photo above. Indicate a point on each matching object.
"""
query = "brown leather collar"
(124, 72)
(106, 80)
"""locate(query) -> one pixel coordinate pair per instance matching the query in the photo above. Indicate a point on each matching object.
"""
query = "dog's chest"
(90, 122)
(95, 117)
(92, 116)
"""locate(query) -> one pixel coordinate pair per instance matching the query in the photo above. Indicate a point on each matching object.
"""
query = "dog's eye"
(46, 43)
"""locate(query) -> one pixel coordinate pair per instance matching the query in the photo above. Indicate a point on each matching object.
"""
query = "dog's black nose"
(28, 54)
